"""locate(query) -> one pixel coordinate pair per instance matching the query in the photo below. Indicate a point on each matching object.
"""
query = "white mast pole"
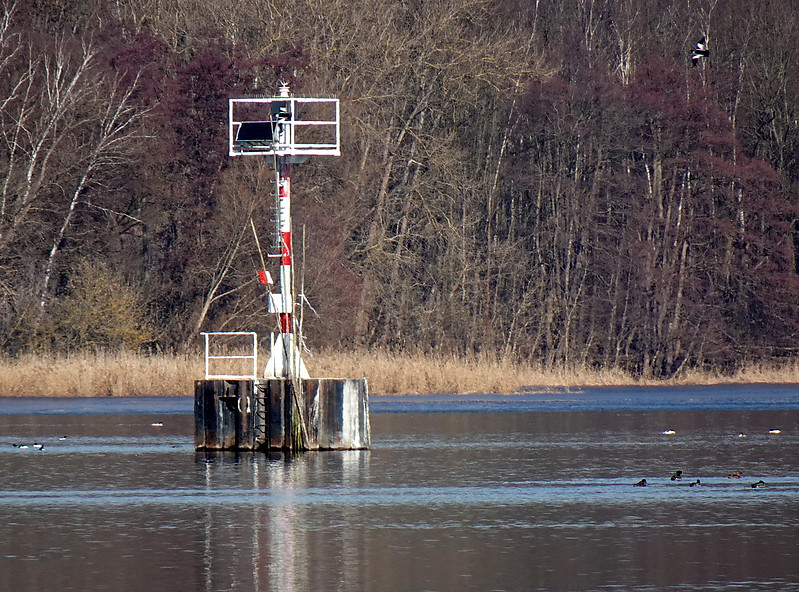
(272, 136)
(285, 361)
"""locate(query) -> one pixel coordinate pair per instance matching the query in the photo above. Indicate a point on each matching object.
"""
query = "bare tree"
(112, 126)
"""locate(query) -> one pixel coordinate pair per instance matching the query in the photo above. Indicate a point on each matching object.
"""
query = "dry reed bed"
(99, 375)
(131, 374)
(417, 373)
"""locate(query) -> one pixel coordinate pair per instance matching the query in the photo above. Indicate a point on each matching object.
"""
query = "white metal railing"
(286, 143)
(252, 356)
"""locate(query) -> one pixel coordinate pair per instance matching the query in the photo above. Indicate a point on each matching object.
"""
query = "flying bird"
(700, 51)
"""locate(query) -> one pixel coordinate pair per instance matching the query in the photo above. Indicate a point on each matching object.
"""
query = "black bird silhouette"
(758, 484)
(696, 483)
(677, 476)
(641, 483)
(700, 51)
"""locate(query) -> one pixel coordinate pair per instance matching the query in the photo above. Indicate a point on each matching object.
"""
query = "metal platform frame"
(280, 120)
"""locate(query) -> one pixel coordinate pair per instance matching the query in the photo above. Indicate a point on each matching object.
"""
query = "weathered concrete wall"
(338, 412)
(215, 414)
(329, 414)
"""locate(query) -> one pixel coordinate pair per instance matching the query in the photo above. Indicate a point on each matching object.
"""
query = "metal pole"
(285, 361)
(286, 292)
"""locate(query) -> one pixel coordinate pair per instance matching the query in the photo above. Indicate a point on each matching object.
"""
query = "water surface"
(533, 492)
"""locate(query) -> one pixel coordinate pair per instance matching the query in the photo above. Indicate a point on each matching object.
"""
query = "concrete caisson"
(273, 414)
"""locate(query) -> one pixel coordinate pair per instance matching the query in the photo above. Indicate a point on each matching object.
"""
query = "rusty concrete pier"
(270, 414)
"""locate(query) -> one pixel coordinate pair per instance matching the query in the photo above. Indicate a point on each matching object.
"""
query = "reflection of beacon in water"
(268, 530)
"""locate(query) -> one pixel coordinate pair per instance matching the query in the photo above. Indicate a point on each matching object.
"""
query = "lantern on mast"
(284, 130)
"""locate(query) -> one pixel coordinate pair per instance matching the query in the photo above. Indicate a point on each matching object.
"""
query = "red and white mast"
(283, 138)
(285, 360)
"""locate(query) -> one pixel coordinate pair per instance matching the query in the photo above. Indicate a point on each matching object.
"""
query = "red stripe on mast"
(285, 322)
(285, 248)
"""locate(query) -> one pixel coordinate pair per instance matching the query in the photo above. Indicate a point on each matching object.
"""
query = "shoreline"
(129, 374)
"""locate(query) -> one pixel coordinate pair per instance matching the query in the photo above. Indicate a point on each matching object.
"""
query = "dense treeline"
(555, 181)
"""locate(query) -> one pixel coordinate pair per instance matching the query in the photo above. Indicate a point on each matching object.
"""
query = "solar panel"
(255, 133)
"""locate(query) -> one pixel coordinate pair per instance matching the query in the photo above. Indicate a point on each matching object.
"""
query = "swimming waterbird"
(677, 476)
(22, 446)
(696, 483)
(669, 432)
(758, 484)
(641, 483)
(735, 475)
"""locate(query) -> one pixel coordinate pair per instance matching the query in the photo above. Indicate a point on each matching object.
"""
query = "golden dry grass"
(99, 375)
(418, 373)
(783, 373)
(126, 374)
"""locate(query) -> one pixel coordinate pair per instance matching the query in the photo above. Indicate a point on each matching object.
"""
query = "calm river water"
(527, 492)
